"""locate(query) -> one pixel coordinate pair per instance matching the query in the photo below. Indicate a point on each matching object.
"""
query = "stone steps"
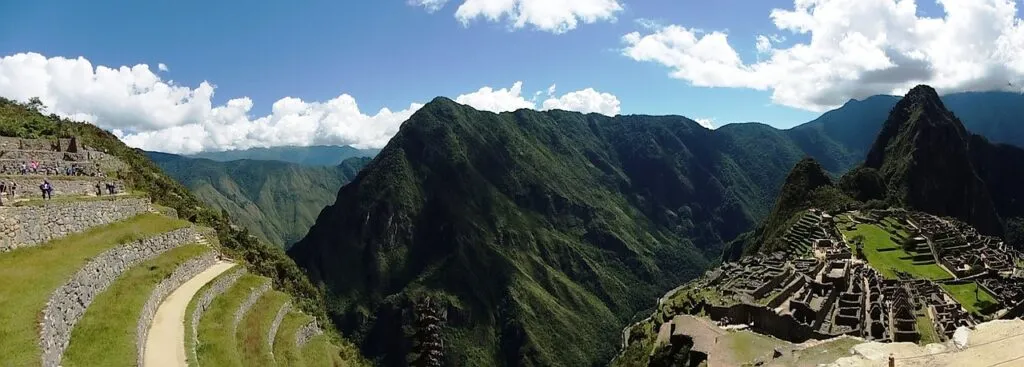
(114, 328)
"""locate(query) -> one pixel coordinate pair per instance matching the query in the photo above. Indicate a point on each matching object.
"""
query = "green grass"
(820, 354)
(965, 294)
(319, 352)
(217, 345)
(746, 346)
(189, 340)
(887, 256)
(106, 334)
(29, 275)
(926, 329)
(286, 353)
(252, 331)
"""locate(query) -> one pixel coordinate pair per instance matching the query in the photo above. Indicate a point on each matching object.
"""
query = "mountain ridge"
(313, 155)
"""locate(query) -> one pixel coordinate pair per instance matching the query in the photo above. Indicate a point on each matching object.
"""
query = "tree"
(36, 104)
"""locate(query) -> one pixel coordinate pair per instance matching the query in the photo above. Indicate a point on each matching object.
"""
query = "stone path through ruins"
(165, 345)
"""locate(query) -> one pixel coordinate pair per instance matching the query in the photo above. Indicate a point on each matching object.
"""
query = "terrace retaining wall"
(182, 274)
(68, 303)
(34, 225)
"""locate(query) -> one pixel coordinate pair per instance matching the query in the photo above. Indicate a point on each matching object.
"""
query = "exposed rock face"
(922, 155)
(221, 284)
(181, 275)
(272, 333)
(307, 332)
(68, 303)
(34, 225)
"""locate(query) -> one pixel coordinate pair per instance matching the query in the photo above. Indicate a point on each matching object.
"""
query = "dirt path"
(165, 345)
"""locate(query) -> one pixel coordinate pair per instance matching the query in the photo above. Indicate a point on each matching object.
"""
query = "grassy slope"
(28, 276)
(887, 256)
(277, 201)
(965, 294)
(190, 342)
(19, 120)
(106, 334)
(286, 353)
(217, 344)
(252, 332)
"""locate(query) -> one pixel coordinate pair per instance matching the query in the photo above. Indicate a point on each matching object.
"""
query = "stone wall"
(249, 302)
(68, 303)
(182, 274)
(33, 225)
(272, 334)
(219, 285)
(307, 332)
(28, 186)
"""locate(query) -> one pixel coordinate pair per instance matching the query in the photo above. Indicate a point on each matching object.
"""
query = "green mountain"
(922, 156)
(276, 201)
(924, 159)
(316, 155)
(541, 233)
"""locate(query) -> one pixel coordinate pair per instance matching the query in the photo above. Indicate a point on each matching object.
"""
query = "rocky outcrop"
(221, 284)
(68, 303)
(249, 302)
(307, 332)
(34, 225)
(182, 274)
(272, 334)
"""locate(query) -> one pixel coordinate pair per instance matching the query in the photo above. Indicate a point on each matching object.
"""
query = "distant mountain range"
(276, 201)
(317, 155)
(542, 233)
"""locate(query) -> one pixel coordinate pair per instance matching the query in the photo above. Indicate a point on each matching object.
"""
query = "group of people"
(35, 167)
(7, 189)
(110, 186)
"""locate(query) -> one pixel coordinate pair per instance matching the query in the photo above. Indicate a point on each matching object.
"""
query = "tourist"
(24, 168)
(99, 192)
(11, 188)
(47, 190)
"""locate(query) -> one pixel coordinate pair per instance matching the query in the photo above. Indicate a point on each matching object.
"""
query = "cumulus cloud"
(162, 67)
(547, 15)
(856, 48)
(511, 99)
(150, 113)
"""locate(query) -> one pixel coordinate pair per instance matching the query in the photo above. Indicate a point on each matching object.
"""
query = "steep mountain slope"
(922, 156)
(141, 174)
(541, 232)
(317, 155)
(277, 201)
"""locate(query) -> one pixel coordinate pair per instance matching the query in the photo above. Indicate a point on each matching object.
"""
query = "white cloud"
(556, 16)
(706, 122)
(857, 48)
(430, 5)
(511, 99)
(586, 101)
(150, 113)
(162, 67)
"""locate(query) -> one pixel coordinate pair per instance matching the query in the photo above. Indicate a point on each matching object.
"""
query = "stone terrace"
(70, 167)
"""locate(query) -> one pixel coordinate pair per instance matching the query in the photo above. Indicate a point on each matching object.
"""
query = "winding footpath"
(165, 345)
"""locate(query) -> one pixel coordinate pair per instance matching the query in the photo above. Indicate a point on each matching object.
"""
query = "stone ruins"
(822, 287)
(70, 167)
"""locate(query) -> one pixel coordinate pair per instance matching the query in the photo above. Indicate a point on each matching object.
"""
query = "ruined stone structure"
(68, 303)
(54, 157)
(307, 332)
(34, 225)
(818, 289)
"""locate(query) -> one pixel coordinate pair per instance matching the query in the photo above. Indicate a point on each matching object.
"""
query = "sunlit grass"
(29, 275)
(217, 343)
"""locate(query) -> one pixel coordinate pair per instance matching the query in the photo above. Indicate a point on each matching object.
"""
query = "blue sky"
(389, 53)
